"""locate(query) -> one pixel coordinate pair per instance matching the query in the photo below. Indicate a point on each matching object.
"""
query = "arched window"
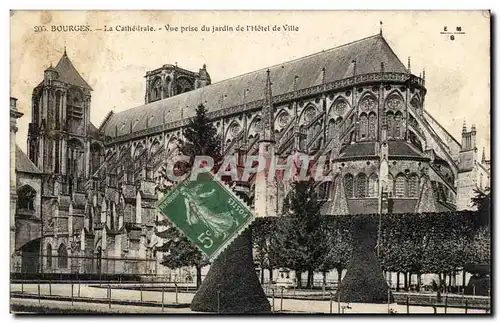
(331, 128)
(361, 185)
(49, 256)
(363, 126)
(339, 125)
(349, 185)
(372, 126)
(26, 198)
(157, 88)
(62, 255)
(373, 185)
(413, 186)
(400, 186)
(390, 124)
(398, 125)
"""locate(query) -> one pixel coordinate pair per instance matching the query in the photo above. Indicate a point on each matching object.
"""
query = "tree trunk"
(406, 281)
(262, 275)
(324, 279)
(198, 276)
(298, 275)
(419, 281)
(232, 285)
(339, 275)
(397, 281)
(310, 282)
(270, 274)
(463, 279)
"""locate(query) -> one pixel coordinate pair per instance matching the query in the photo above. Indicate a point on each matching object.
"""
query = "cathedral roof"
(24, 164)
(402, 148)
(368, 53)
(358, 149)
(68, 73)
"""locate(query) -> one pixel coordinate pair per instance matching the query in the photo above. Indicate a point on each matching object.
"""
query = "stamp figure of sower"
(219, 223)
(207, 212)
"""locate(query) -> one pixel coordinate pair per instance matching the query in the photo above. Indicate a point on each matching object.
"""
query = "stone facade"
(356, 104)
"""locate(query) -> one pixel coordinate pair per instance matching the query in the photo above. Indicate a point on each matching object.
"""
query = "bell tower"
(60, 119)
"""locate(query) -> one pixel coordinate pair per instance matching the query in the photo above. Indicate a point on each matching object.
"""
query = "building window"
(62, 255)
(413, 186)
(373, 186)
(390, 124)
(49, 256)
(398, 120)
(400, 186)
(348, 185)
(363, 126)
(372, 126)
(26, 198)
(361, 185)
(331, 128)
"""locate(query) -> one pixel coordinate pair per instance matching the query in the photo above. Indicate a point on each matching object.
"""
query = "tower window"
(26, 198)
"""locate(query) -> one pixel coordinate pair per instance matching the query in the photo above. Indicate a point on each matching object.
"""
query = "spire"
(381, 24)
(267, 111)
(464, 128)
(483, 159)
(423, 74)
(65, 54)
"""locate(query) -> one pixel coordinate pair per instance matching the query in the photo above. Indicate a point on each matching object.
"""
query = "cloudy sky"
(114, 63)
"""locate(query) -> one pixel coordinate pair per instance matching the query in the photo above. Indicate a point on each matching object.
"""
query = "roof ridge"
(301, 58)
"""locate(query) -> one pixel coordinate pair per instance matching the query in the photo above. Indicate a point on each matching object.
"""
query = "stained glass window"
(372, 120)
(363, 126)
(361, 185)
(413, 186)
(400, 186)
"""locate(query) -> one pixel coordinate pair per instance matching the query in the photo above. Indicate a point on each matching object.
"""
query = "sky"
(114, 63)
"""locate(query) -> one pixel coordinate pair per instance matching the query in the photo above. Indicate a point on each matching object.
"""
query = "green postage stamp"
(207, 212)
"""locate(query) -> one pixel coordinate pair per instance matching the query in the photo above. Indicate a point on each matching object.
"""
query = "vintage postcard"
(333, 162)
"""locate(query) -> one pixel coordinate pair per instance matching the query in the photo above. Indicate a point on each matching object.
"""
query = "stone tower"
(170, 80)
(60, 122)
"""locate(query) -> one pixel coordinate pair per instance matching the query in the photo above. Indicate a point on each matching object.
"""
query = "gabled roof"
(68, 73)
(24, 164)
(368, 53)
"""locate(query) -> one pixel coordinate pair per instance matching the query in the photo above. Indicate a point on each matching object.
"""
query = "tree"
(179, 251)
(302, 235)
(264, 242)
(482, 201)
(364, 281)
(200, 138)
(339, 246)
